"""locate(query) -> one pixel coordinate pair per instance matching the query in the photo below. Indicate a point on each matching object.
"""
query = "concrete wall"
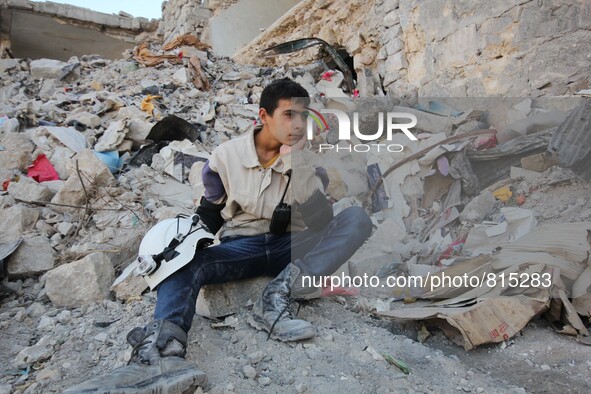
(39, 36)
(184, 16)
(237, 25)
(60, 31)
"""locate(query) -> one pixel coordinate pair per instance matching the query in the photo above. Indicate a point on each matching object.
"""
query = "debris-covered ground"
(93, 152)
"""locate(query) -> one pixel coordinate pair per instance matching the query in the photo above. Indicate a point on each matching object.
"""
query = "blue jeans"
(316, 253)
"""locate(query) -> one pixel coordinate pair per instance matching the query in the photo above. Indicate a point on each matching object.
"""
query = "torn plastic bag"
(111, 159)
(171, 128)
(42, 170)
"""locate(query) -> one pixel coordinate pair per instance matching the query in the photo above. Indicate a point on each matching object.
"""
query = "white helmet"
(167, 247)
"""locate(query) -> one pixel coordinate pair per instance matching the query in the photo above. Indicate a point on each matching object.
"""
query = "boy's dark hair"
(282, 89)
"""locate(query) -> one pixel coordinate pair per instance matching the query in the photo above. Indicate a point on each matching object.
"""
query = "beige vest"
(252, 191)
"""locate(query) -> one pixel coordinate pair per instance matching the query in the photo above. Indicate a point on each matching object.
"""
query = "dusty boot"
(271, 312)
(299, 292)
(156, 365)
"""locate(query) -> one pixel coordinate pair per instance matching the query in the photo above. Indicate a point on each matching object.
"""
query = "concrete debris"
(17, 151)
(131, 288)
(478, 208)
(222, 300)
(128, 139)
(41, 351)
(570, 145)
(539, 162)
(46, 68)
(84, 119)
(69, 137)
(111, 138)
(33, 257)
(86, 174)
(89, 280)
(15, 221)
(29, 190)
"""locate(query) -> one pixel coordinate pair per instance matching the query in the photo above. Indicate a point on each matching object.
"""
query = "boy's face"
(287, 125)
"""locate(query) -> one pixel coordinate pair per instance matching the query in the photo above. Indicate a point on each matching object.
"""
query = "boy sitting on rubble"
(244, 181)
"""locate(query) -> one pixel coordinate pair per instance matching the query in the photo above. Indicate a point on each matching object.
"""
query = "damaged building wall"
(184, 16)
(60, 31)
(247, 18)
(226, 24)
(438, 48)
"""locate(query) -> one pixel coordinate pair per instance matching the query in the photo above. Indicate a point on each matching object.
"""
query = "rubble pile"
(93, 152)
(452, 204)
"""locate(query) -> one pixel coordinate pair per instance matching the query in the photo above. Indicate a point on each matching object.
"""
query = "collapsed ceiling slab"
(60, 31)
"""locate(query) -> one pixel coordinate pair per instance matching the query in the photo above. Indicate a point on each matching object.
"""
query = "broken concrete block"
(334, 81)
(65, 228)
(187, 152)
(477, 209)
(46, 68)
(529, 176)
(17, 152)
(391, 33)
(40, 351)
(60, 158)
(44, 228)
(128, 67)
(138, 129)
(248, 111)
(14, 221)
(33, 257)
(226, 299)
(89, 120)
(125, 146)
(132, 287)
(10, 126)
(94, 173)
(131, 112)
(29, 190)
(225, 99)
(7, 64)
(54, 186)
(390, 5)
(55, 240)
(538, 162)
(111, 138)
(181, 76)
(48, 87)
(81, 282)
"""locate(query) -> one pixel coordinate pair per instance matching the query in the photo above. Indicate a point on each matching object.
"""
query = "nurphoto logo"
(395, 122)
